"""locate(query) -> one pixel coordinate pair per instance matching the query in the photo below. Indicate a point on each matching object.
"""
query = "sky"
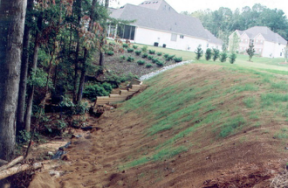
(193, 5)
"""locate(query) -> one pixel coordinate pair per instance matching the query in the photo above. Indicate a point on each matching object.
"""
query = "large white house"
(157, 23)
(266, 42)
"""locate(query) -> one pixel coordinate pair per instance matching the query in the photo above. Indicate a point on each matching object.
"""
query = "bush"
(178, 59)
(169, 57)
(159, 54)
(149, 65)
(232, 58)
(208, 54)
(145, 55)
(130, 59)
(141, 62)
(92, 91)
(110, 53)
(223, 57)
(159, 63)
(150, 57)
(144, 49)
(216, 54)
(138, 52)
(122, 57)
(130, 50)
(151, 51)
(154, 60)
(166, 55)
(199, 52)
(107, 87)
(125, 45)
(135, 47)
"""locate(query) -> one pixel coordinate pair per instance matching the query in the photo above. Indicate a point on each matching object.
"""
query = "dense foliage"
(224, 21)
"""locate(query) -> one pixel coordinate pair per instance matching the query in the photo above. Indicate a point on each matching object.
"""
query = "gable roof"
(161, 20)
(212, 38)
(266, 33)
(161, 5)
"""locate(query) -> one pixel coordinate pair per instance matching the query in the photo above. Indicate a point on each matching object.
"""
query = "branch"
(12, 163)
(17, 169)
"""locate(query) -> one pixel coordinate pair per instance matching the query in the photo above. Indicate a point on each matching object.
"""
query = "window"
(280, 53)
(207, 45)
(126, 32)
(181, 36)
(173, 37)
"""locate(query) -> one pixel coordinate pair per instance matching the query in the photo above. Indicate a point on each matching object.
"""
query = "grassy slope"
(209, 105)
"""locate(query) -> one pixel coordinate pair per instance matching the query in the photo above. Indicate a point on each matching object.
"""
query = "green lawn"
(242, 60)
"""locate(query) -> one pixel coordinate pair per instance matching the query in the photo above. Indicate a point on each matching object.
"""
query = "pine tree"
(199, 52)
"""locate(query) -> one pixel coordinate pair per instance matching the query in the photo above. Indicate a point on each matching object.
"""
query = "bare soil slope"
(195, 126)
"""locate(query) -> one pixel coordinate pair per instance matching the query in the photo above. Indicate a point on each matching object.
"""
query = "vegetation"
(199, 52)
(125, 45)
(232, 58)
(138, 52)
(250, 51)
(159, 53)
(130, 50)
(141, 62)
(135, 47)
(208, 54)
(151, 51)
(216, 54)
(149, 65)
(177, 59)
(223, 57)
(130, 59)
(145, 55)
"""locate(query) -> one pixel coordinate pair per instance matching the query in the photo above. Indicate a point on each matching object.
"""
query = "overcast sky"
(193, 5)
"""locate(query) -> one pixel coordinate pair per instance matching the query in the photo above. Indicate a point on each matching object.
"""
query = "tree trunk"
(78, 12)
(101, 53)
(86, 54)
(12, 18)
(24, 72)
(33, 68)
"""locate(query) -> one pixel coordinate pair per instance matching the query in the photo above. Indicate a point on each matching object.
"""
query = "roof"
(266, 33)
(212, 38)
(157, 5)
(161, 20)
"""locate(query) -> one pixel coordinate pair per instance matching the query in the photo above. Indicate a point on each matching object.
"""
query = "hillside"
(194, 126)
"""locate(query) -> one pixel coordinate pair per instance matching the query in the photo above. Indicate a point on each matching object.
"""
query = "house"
(266, 42)
(157, 23)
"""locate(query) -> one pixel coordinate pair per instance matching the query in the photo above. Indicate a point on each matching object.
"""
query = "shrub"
(107, 87)
(151, 51)
(110, 53)
(199, 52)
(149, 65)
(145, 55)
(208, 54)
(154, 60)
(159, 53)
(130, 59)
(150, 57)
(216, 54)
(232, 58)
(130, 50)
(122, 57)
(223, 57)
(125, 45)
(138, 52)
(166, 55)
(144, 49)
(135, 47)
(92, 91)
(141, 62)
(159, 63)
(169, 57)
(178, 59)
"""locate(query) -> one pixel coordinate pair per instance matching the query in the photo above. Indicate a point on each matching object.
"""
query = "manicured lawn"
(242, 60)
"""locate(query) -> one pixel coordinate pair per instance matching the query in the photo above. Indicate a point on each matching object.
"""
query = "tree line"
(47, 47)
(224, 21)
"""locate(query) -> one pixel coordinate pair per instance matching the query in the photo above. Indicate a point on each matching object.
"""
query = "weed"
(249, 102)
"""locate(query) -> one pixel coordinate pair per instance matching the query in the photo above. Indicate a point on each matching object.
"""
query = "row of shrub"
(215, 54)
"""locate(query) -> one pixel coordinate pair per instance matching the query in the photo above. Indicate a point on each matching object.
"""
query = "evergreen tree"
(216, 54)
(199, 52)
(250, 51)
(208, 54)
